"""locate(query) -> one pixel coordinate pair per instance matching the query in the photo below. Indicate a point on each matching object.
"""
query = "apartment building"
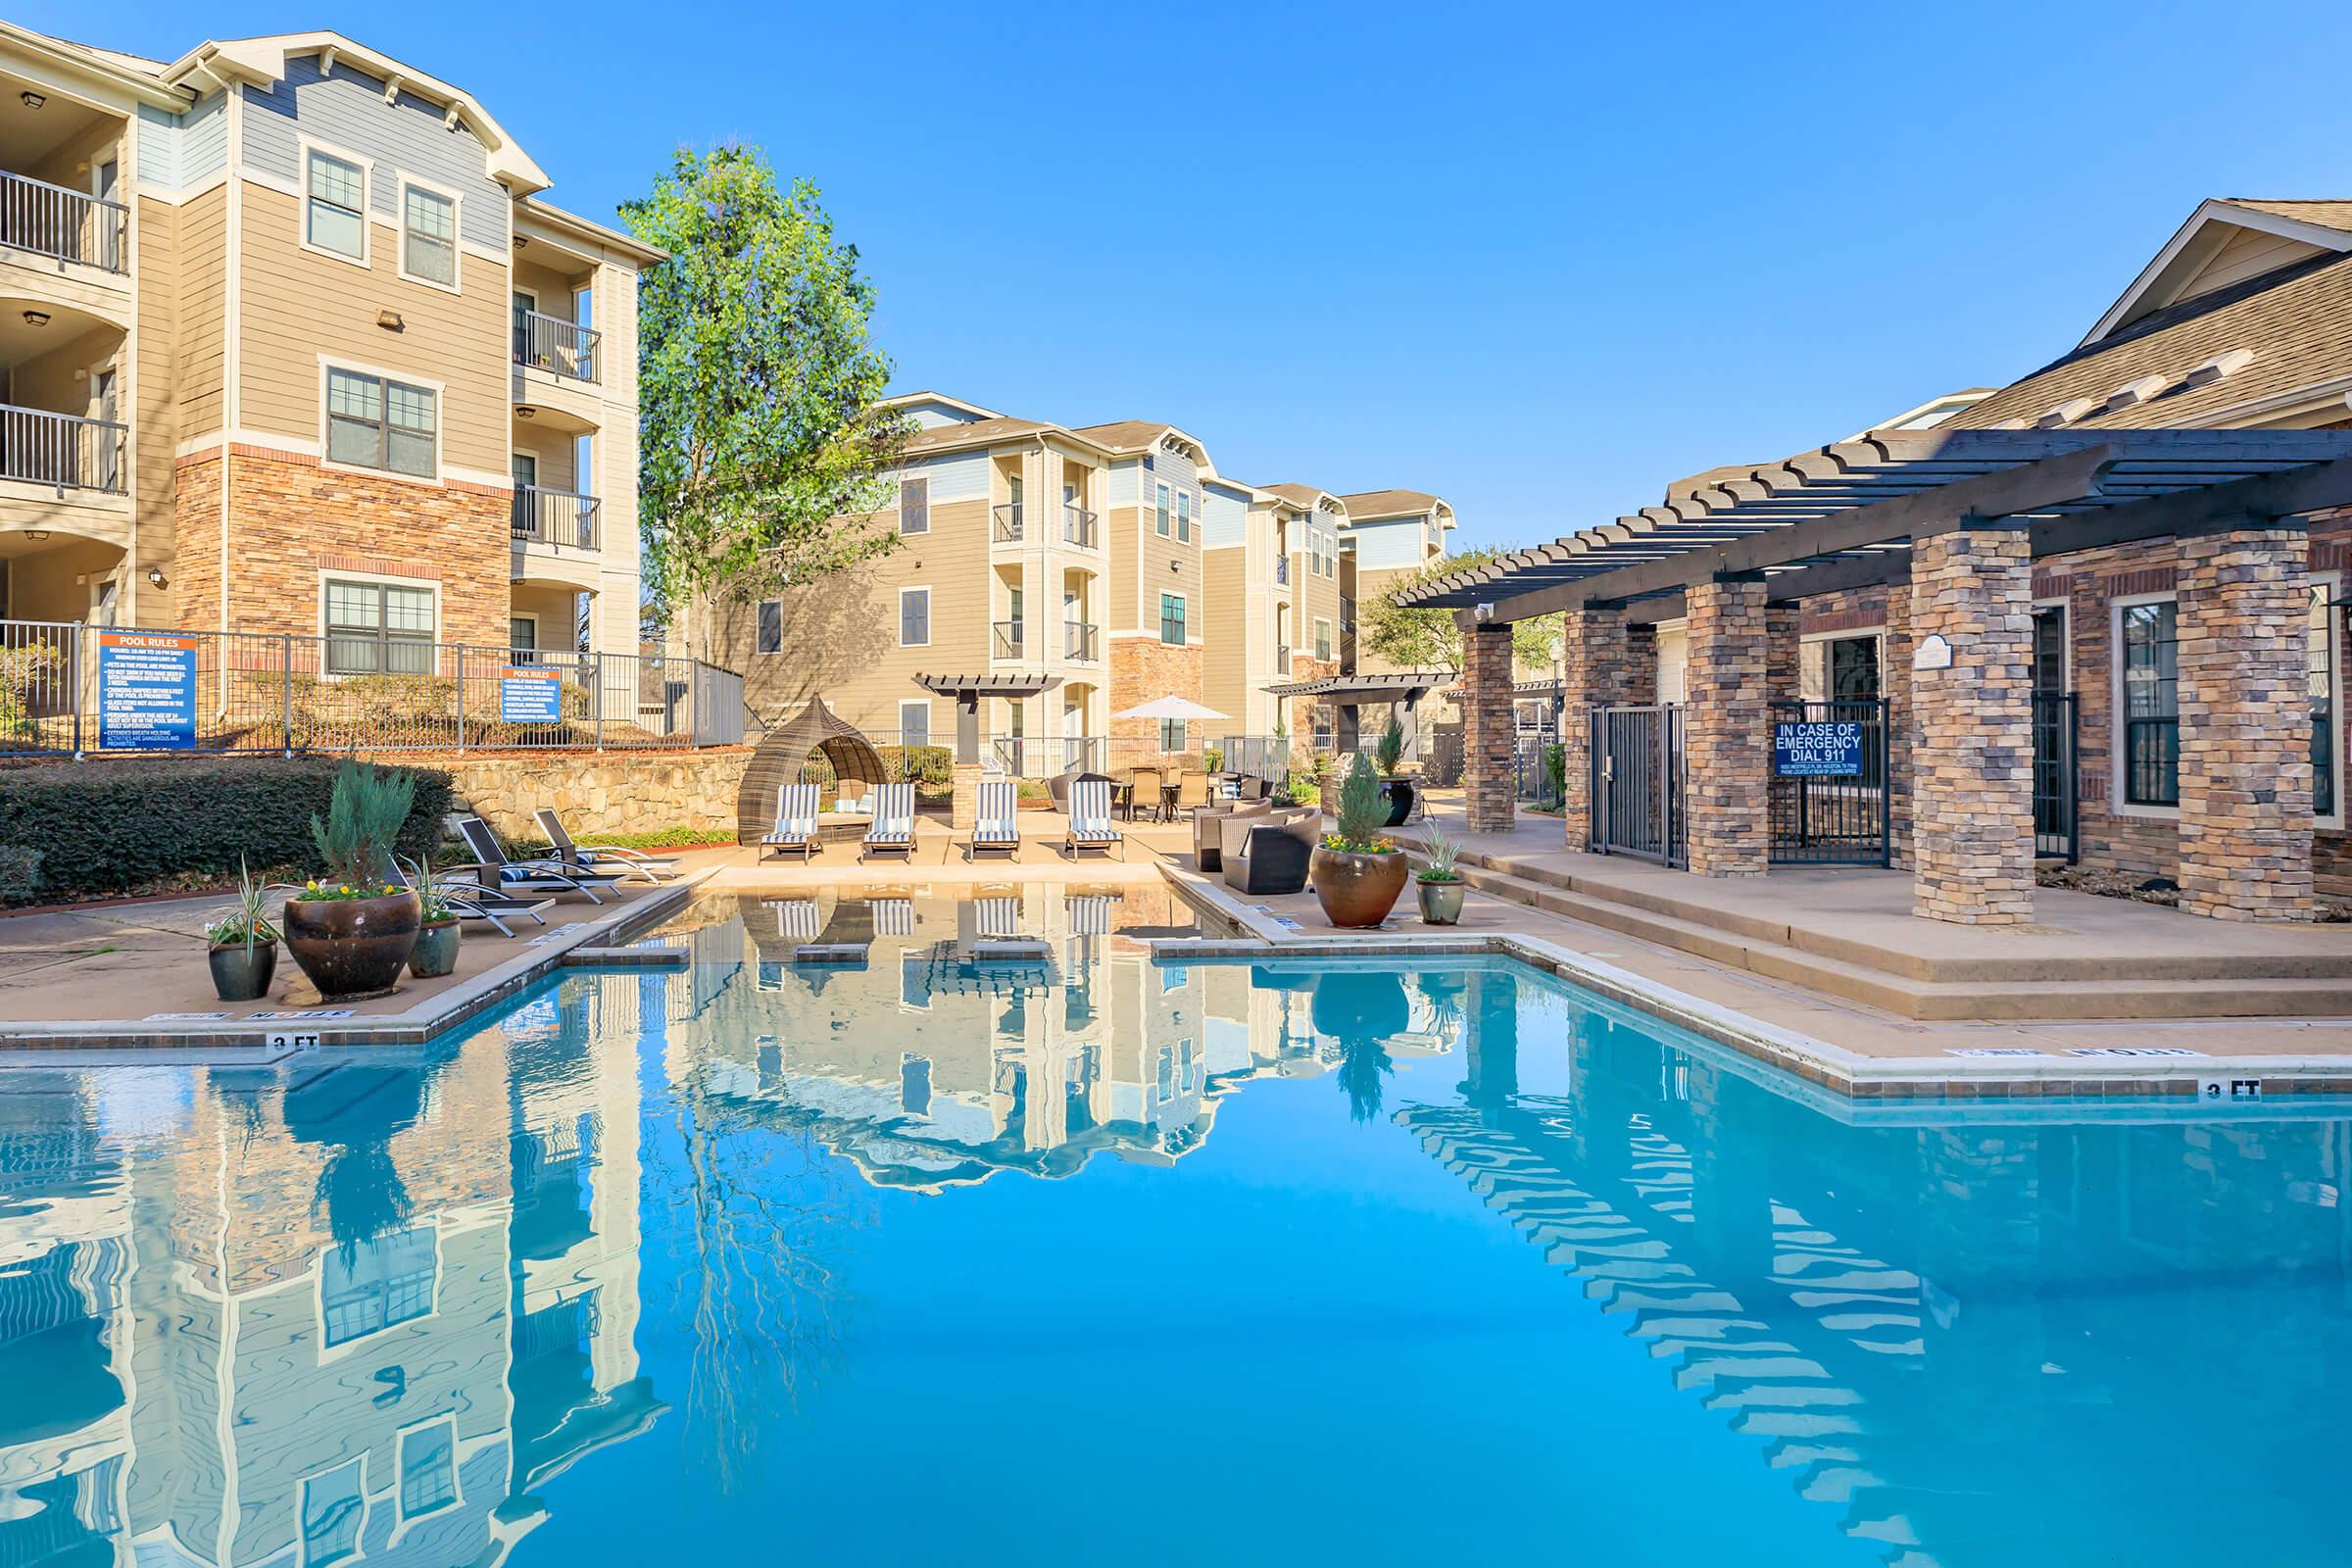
(293, 346)
(1392, 535)
(1273, 574)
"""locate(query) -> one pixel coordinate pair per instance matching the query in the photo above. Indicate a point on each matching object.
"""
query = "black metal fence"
(1837, 817)
(2057, 827)
(1637, 783)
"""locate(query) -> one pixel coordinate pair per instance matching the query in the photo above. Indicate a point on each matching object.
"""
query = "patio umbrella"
(1169, 706)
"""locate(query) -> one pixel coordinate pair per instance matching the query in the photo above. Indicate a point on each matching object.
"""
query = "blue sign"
(1817, 751)
(146, 691)
(529, 696)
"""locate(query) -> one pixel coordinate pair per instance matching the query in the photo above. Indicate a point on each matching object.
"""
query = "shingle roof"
(1123, 435)
(2326, 214)
(1297, 494)
(1374, 504)
(2296, 321)
(976, 431)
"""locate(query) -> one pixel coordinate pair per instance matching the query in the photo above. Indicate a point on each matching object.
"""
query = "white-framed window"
(523, 632)
(768, 635)
(1171, 619)
(334, 1513)
(377, 625)
(914, 721)
(1171, 734)
(2148, 705)
(914, 620)
(429, 234)
(915, 504)
(1159, 510)
(377, 420)
(1842, 666)
(334, 204)
(1322, 638)
(1184, 516)
(428, 1468)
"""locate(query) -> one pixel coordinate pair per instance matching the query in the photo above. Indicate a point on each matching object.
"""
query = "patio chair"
(552, 878)
(1143, 790)
(636, 862)
(1091, 826)
(893, 832)
(468, 900)
(996, 820)
(796, 822)
(1268, 853)
(1192, 792)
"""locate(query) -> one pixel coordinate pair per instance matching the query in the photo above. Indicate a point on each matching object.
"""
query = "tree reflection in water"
(1362, 1011)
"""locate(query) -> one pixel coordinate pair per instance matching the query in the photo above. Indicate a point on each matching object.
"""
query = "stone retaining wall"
(598, 791)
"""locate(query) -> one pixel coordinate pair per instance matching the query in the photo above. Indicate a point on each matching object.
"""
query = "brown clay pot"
(352, 947)
(1357, 890)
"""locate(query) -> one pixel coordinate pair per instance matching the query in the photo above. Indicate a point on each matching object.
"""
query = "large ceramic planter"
(436, 951)
(1441, 901)
(241, 973)
(1357, 890)
(1399, 793)
(353, 947)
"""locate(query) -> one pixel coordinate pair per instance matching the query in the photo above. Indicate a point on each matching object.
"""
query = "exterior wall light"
(31, 100)
(36, 317)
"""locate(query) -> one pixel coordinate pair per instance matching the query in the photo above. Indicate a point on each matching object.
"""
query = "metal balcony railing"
(1007, 515)
(1010, 639)
(1077, 527)
(1078, 639)
(62, 450)
(565, 517)
(67, 226)
(1282, 571)
(551, 343)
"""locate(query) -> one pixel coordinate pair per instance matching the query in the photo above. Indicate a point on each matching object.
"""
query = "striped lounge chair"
(996, 821)
(796, 822)
(1090, 821)
(893, 832)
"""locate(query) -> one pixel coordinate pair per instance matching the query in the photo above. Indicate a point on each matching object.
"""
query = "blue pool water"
(919, 1260)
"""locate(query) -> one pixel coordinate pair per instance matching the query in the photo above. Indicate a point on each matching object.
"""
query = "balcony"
(563, 518)
(63, 451)
(1078, 639)
(559, 347)
(1281, 571)
(1006, 522)
(1282, 660)
(1010, 639)
(63, 225)
(1077, 527)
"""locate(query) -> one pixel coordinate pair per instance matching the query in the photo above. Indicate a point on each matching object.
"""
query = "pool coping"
(583, 943)
(1848, 1074)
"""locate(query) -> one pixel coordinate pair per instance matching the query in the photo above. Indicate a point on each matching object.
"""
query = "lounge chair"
(468, 900)
(552, 878)
(893, 832)
(796, 822)
(1091, 826)
(628, 862)
(996, 820)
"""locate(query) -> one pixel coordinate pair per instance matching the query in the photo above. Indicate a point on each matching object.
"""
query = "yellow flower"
(345, 888)
(312, 884)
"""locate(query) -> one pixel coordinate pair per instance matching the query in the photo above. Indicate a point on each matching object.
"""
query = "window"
(1159, 516)
(376, 1284)
(1854, 669)
(333, 1507)
(914, 617)
(522, 634)
(772, 627)
(1171, 619)
(2322, 663)
(1171, 735)
(2152, 754)
(374, 423)
(2049, 649)
(914, 505)
(1184, 516)
(428, 1471)
(1322, 727)
(377, 628)
(428, 239)
(915, 722)
(336, 212)
(1322, 638)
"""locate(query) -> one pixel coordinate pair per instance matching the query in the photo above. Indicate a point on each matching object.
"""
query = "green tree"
(1432, 639)
(764, 456)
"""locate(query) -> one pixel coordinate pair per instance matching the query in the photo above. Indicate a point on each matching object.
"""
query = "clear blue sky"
(1541, 262)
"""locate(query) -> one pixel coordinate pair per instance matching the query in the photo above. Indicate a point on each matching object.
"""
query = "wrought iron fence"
(550, 343)
(62, 450)
(1839, 818)
(1637, 783)
(566, 518)
(68, 225)
(2057, 833)
(71, 689)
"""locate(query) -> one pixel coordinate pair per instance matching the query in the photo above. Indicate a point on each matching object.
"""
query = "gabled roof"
(1373, 505)
(905, 400)
(1308, 497)
(2227, 241)
(977, 433)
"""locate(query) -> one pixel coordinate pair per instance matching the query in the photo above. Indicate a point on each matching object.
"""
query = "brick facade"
(1489, 731)
(1726, 741)
(1143, 668)
(2246, 726)
(1973, 785)
(1597, 670)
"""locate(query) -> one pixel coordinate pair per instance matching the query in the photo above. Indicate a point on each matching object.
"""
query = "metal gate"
(2057, 831)
(1637, 787)
(1838, 819)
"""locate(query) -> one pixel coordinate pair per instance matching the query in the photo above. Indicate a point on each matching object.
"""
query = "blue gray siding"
(176, 151)
(958, 477)
(1226, 515)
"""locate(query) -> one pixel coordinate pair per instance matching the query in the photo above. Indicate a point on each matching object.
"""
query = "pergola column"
(1727, 745)
(2243, 625)
(963, 805)
(1972, 713)
(1489, 731)
(1594, 655)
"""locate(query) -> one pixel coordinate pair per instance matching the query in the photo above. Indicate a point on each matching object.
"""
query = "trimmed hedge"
(114, 826)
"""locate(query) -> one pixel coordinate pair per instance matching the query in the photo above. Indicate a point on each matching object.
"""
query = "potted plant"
(1358, 872)
(1396, 789)
(1213, 759)
(436, 951)
(241, 946)
(1439, 885)
(352, 931)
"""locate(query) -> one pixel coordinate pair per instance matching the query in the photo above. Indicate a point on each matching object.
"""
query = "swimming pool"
(913, 1257)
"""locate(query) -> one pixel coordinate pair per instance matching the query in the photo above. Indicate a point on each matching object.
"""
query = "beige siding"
(1121, 525)
(299, 305)
(1159, 555)
(202, 305)
(153, 404)
(1225, 669)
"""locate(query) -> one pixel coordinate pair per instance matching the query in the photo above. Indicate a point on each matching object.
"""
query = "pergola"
(1960, 517)
(1347, 695)
(968, 690)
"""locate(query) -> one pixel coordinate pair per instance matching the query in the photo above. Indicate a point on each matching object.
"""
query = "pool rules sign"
(146, 691)
(1817, 750)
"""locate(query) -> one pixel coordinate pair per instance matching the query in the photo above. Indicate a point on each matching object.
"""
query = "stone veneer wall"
(1596, 671)
(1973, 786)
(1489, 731)
(1141, 670)
(2246, 726)
(1727, 743)
(598, 791)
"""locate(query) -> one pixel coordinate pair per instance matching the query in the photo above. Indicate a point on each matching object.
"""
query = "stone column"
(1894, 684)
(1971, 761)
(2245, 723)
(1488, 733)
(1594, 660)
(1727, 742)
(964, 810)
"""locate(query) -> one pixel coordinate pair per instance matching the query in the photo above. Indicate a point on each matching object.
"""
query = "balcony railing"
(1078, 639)
(1282, 571)
(551, 343)
(62, 450)
(1282, 660)
(1006, 518)
(1077, 527)
(543, 516)
(67, 226)
(1010, 639)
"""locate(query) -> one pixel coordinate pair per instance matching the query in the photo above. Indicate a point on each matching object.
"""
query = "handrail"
(544, 515)
(1077, 527)
(63, 450)
(1078, 639)
(1006, 518)
(68, 225)
(550, 343)
(1009, 638)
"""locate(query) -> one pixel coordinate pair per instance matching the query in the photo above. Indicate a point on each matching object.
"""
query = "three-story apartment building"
(292, 346)
(1273, 570)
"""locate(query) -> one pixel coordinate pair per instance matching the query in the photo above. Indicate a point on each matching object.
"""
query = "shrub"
(1555, 768)
(1363, 811)
(362, 822)
(1389, 750)
(925, 764)
(113, 826)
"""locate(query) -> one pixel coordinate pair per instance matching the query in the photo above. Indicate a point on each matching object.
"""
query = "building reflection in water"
(372, 1304)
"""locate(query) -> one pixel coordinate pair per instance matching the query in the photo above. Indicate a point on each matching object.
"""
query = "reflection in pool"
(771, 1258)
